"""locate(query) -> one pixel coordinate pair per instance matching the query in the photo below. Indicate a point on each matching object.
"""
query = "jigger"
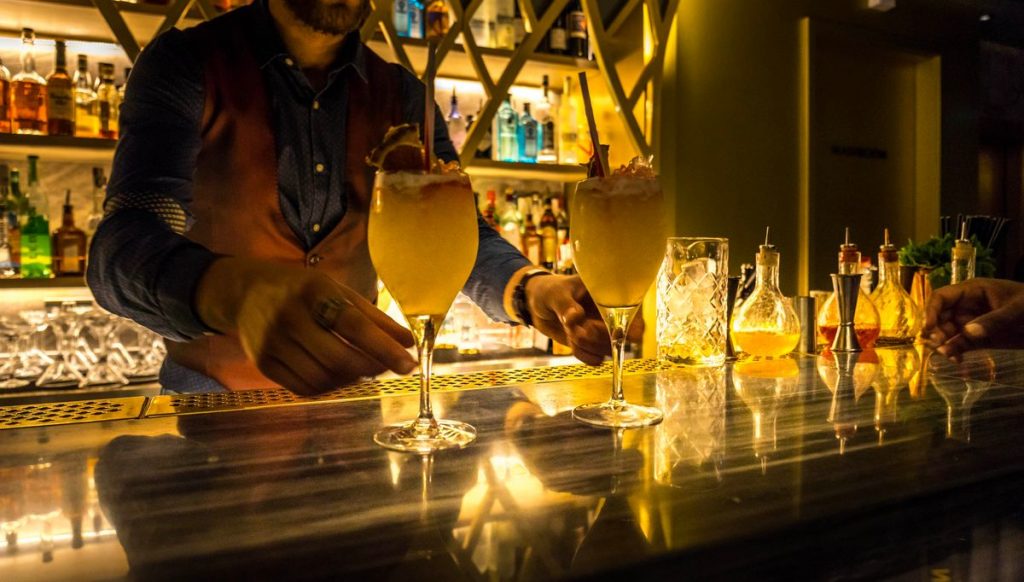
(847, 288)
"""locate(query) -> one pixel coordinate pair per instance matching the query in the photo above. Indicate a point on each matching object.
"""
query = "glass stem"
(618, 319)
(424, 330)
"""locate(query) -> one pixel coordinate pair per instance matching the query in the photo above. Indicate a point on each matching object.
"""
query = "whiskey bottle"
(532, 242)
(549, 238)
(577, 23)
(60, 98)
(109, 101)
(86, 121)
(28, 90)
(548, 135)
(68, 244)
(557, 41)
(5, 99)
(36, 255)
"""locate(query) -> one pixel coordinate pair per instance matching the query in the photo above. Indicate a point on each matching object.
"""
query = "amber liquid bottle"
(60, 96)
(109, 102)
(69, 244)
(28, 90)
(531, 241)
(5, 99)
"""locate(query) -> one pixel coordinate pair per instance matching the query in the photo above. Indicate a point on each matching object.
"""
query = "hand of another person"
(981, 313)
(562, 309)
(302, 329)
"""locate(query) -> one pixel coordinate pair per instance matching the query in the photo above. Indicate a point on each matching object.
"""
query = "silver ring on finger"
(327, 311)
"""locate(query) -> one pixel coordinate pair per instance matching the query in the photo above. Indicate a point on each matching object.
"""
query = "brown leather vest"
(236, 206)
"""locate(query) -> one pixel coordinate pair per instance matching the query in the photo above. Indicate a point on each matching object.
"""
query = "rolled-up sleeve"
(141, 266)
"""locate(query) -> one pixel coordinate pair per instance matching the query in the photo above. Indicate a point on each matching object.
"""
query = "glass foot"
(613, 414)
(425, 437)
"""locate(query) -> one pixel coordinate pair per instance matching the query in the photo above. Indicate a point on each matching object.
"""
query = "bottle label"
(557, 39)
(577, 25)
(70, 258)
(549, 135)
(530, 140)
(415, 22)
(105, 116)
(60, 102)
(5, 100)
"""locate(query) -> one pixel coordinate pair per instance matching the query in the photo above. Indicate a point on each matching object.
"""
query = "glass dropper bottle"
(865, 318)
(964, 258)
(766, 325)
(899, 317)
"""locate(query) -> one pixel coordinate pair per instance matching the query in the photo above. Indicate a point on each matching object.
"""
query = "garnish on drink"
(423, 242)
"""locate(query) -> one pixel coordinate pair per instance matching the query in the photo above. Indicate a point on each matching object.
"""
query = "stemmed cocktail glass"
(423, 241)
(618, 240)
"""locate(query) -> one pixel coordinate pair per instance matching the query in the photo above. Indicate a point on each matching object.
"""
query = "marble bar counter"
(906, 469)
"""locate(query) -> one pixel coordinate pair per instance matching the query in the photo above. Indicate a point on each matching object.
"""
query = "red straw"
(428, 114)
(589, 108)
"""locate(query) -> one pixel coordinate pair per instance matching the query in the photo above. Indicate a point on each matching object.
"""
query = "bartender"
(236, 213)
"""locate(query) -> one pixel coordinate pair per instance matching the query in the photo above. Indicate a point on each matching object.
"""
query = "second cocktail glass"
(618, 238)
(423, 242)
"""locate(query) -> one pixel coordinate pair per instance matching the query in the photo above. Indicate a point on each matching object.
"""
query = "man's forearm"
(497, 262)
(140, 269)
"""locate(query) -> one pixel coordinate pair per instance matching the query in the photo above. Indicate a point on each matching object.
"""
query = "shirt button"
(316, 227)
(316, 105)
(319, 168)
(313, 260)
(289, 62)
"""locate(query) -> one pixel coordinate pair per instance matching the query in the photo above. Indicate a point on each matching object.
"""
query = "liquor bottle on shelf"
(109, 102)
(8, 270)
(5, 99)
(532, 242)
(964, 256)
(69, 244)
(124, 84)
(485, 147)
(865, 317)
(86, 122)
(10, 189)
(558, 44)
(568, 126)
(415, 19)
(99, 195)
(565, 262)
(518, 25)
(509, 222)
(508, 132)
(529, 136)
(504, 26)
(548, 136)
(491, 209)
(28, 90)
(549, 238)
(480, 29)
(766, 325)
(456, 124)
(60, 98)
(899, 317)
(36, 255)
(400, 17)
(577, 24)
(436, 19)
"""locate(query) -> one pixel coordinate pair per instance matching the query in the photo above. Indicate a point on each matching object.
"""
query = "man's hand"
(271, 309)
(981, 313)
(563, 310)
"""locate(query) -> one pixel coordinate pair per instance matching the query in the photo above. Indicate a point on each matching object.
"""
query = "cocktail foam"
(620, 185)
(416, 180)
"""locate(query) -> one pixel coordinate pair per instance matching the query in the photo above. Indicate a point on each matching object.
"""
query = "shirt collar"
(268, 46)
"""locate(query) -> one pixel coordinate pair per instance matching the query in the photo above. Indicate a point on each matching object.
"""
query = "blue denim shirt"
(140, 264)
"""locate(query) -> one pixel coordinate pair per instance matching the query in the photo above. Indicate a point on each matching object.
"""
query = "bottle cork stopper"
(849, 253)
(887, 253)
(963, 248)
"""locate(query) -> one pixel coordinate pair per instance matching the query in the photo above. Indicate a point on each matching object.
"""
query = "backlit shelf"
(56, 148)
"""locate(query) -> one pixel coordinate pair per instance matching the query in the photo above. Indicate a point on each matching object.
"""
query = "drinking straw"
(428, 113)
(589, 108)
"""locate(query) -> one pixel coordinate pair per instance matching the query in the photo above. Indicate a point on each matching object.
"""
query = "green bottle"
(36, 254)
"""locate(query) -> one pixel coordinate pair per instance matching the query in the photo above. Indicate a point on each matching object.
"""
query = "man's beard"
(333, 19)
